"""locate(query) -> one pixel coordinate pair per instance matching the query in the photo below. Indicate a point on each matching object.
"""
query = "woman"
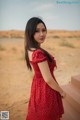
(46, 95)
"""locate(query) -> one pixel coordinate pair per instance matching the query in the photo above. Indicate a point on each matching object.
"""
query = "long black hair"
(29, 38)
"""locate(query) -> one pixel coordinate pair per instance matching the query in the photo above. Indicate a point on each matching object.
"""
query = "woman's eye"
(41, 30)
(44, 30)
(37, 31)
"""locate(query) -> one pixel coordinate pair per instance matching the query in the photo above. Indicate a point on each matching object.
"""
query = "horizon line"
(47, 29)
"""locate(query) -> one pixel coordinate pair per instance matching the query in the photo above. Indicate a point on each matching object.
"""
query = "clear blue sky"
(57, 14)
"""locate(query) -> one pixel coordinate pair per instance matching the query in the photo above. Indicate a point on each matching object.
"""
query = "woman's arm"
(45, 71)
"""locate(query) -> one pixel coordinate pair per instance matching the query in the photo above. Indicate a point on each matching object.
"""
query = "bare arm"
(45, 71)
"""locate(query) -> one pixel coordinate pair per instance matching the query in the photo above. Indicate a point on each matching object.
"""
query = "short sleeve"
(39, 56)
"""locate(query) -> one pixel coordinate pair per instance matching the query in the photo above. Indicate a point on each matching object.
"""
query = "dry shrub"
(67, 44)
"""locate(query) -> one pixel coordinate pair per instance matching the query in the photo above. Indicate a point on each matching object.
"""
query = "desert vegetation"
(15, 79)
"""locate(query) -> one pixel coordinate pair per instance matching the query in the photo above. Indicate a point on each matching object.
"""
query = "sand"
(15, 79)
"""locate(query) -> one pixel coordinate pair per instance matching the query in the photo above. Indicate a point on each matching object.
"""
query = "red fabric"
(45, 103)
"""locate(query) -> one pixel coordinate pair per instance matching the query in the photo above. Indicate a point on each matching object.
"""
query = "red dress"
(45, 103)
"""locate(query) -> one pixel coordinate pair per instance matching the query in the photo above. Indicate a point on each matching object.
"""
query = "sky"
(57, 14)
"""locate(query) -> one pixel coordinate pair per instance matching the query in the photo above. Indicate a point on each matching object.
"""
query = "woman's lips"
(42, 38)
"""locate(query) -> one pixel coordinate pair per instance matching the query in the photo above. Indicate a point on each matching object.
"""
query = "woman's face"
(40, 33)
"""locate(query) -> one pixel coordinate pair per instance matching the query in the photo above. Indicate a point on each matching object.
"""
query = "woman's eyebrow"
(40, 28)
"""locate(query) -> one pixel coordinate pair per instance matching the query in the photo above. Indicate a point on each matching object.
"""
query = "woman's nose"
(41, 33)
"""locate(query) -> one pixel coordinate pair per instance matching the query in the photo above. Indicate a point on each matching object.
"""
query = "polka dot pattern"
(45, 103)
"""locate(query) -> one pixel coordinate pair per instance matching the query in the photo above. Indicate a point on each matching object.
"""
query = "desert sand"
(16, 79)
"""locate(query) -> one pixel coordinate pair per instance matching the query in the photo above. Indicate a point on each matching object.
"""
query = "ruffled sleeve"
(39, 56)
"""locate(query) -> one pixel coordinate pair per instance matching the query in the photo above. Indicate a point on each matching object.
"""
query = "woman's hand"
(63, 94)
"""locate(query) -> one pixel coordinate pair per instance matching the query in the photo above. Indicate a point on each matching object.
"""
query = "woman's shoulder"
(38, 55)
(37, 50)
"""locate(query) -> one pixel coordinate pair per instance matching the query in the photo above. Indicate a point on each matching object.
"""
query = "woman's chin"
(41, 41)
